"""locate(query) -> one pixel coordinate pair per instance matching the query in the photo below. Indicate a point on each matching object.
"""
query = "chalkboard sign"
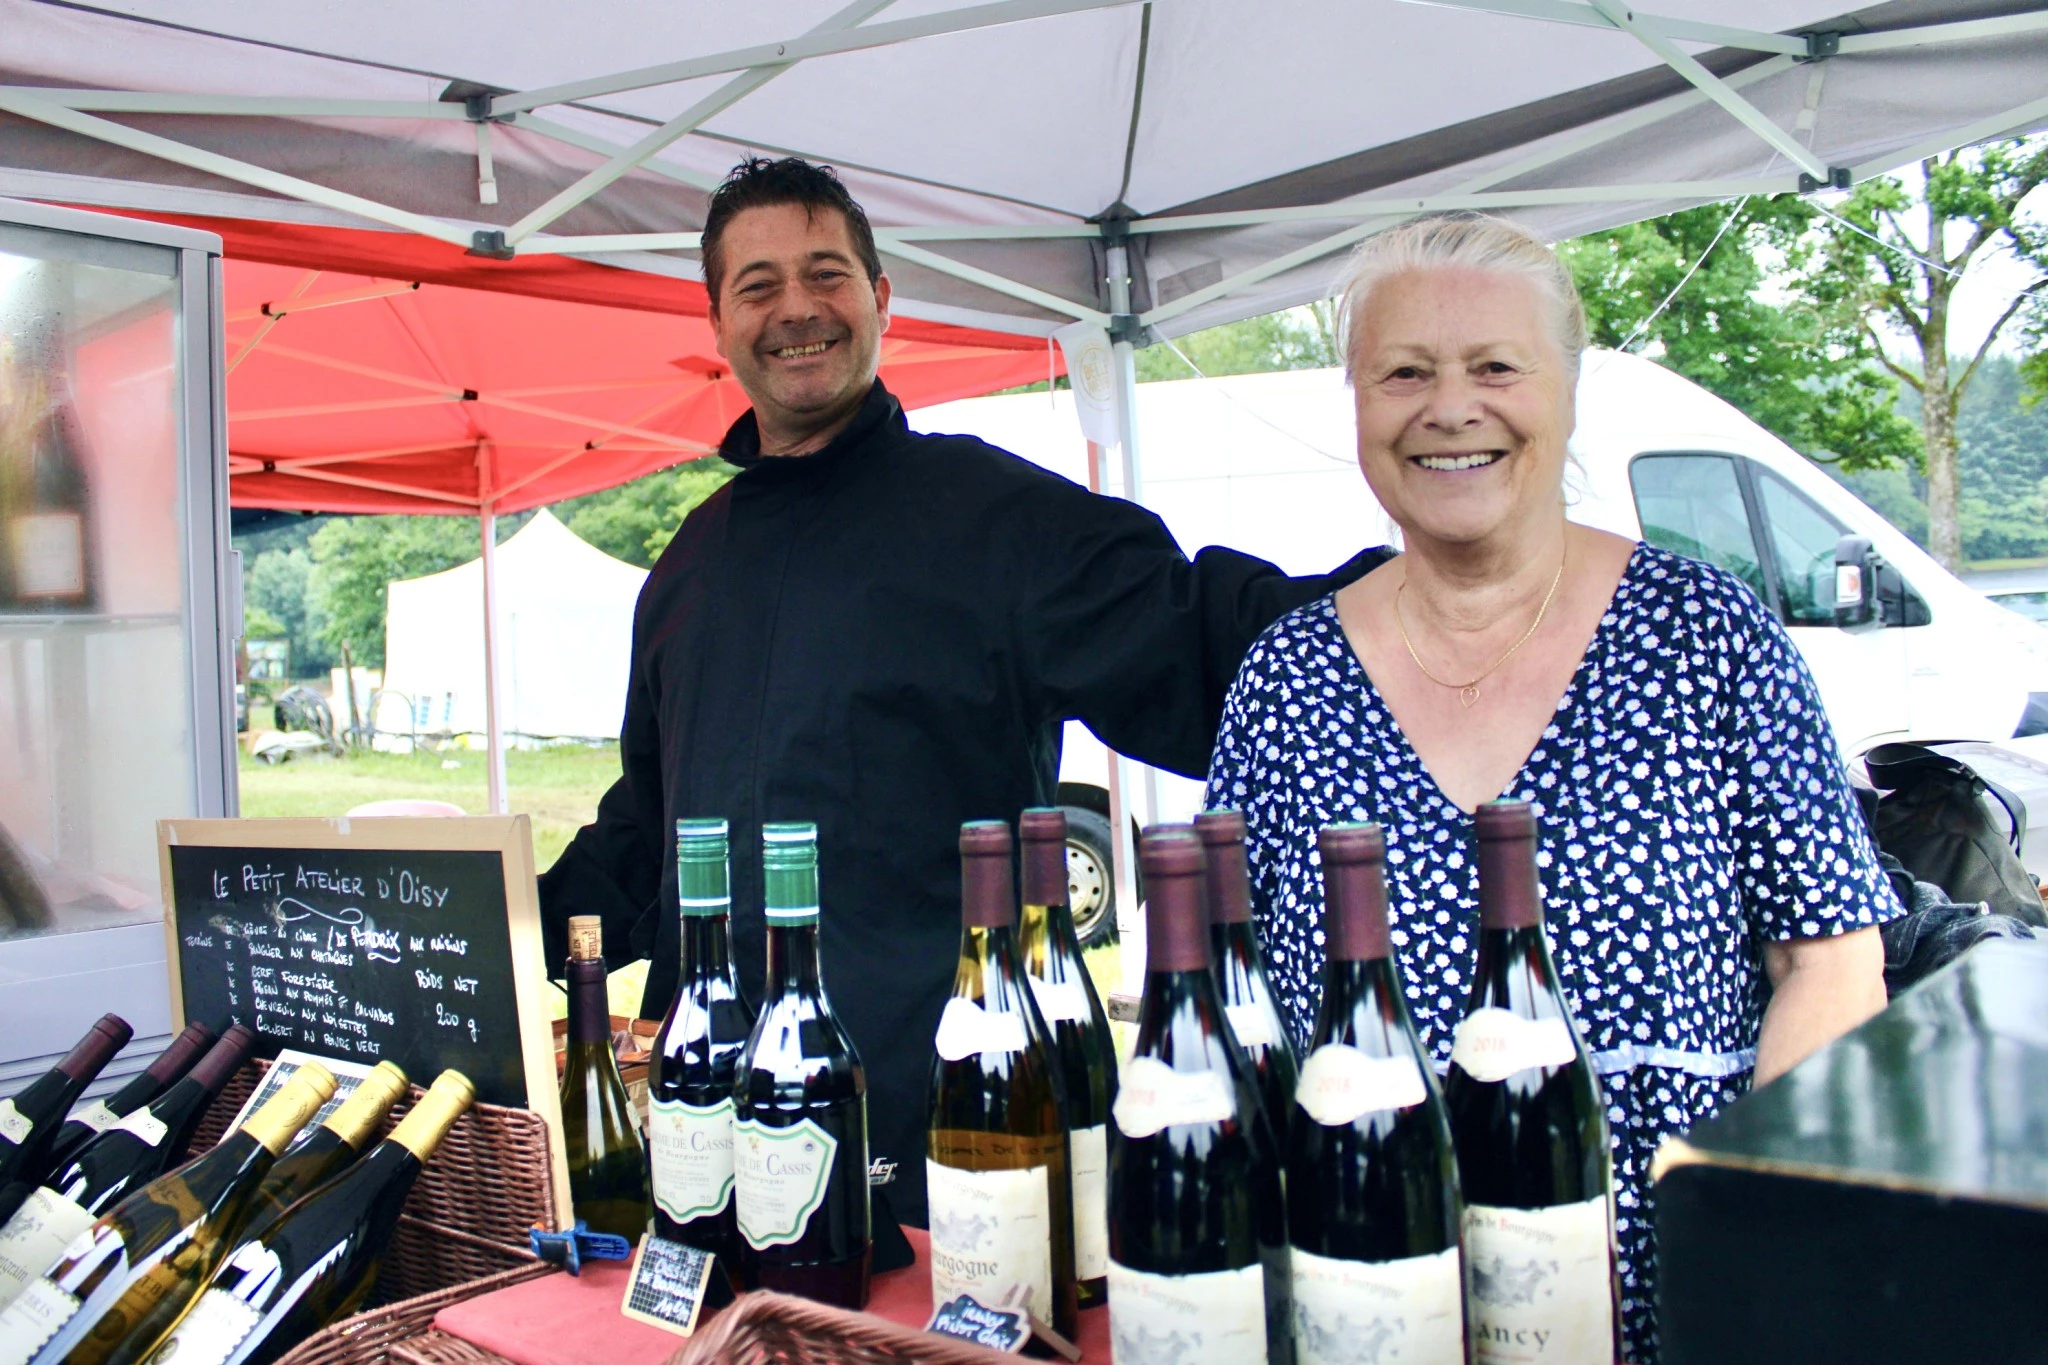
(666, 1288)
(966, 1318)
(415, 941)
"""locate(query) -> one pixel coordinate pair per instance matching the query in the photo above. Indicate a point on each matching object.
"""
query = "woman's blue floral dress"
(1692, 805)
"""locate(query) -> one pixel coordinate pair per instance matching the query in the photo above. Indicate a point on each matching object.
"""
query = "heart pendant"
(1468, 695)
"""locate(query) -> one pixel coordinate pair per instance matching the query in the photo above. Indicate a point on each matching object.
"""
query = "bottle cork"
(586, 938)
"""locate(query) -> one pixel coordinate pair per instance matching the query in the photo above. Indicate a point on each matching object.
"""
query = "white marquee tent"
(567, 624)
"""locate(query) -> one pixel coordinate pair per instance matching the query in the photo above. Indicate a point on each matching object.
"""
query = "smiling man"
(881, 632)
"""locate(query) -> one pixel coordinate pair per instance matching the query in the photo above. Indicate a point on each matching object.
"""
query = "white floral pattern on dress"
(1691, 803)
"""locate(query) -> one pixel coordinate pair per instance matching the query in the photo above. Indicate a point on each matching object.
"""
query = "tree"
(1297, 339)
(278, 585)
(1696, 290)
(356, 558)
(636, 520)
(1891, 261)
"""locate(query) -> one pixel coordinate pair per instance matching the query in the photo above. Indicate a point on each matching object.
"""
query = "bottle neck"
(1176, 925)
(422, 1129)
(590, 1014)
(792, 957)
(1234, 941)
(1352, 985)
(1506, 952)
(1509, 894)
(707, 947)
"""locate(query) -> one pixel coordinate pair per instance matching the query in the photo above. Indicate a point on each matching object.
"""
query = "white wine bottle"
(128, 1277)
(996, 1171)
(327, 1148)
(318, 1262)
(607, 1164)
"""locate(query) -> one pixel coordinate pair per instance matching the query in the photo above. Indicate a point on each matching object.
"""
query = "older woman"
(1698, 833)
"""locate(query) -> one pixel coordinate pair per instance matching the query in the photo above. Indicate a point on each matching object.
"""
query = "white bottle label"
(1058, 1000)
(15, 1126)
(1340, 1084)
(991, 1231)
(1542, 1283)
(1251, 1025)
(1410, 1310)
(779, 1179)
(35, 1237)
(1089, 1152)
(49, 555)
(146, 1126)
(1492, 1044)
(1213, 1319)
(38, 1314)
(967, 1030)
(208, 1334)
(689, 1148)
(1152, 1095)
(97, 1116)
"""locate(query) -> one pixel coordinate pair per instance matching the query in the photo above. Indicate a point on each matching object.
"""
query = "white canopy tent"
(1144, 166)
(567, 620)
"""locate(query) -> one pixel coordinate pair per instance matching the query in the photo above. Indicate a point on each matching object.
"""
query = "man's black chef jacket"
(884, 637)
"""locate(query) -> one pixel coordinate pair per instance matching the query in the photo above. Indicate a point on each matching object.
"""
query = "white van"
(1266, 464)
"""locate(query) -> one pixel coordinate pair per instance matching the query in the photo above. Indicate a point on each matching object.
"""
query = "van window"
(1803, 542)
(1692, 505)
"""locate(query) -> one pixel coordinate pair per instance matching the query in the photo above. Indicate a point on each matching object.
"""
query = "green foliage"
(277, 585)
(258, 624)
(1298, 339)
(356, 558)
(636, 520)
(1795, 371)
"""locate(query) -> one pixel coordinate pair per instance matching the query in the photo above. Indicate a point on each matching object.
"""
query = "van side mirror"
(1855, 581)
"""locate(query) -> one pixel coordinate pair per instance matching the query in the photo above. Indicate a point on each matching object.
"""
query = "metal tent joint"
(1128, 327)
(1839, 178)
(491, 242)
(1820, 46)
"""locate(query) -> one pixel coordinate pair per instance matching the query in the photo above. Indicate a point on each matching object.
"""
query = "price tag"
(668, 1285)
(1008, 1327)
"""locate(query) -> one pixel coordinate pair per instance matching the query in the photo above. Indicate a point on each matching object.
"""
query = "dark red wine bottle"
(145, 1085)
(1241, 969)
(1197, 1220)
(30, 1119)
(1372, 1177)
(1530, 1127)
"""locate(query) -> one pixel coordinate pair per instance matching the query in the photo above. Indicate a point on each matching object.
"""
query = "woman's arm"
(1820, 989)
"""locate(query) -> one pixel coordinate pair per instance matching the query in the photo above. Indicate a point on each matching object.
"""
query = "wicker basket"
(490, 1182)
(780, 1329)
(395, 1332)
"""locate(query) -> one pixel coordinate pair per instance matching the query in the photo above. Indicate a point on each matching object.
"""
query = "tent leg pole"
(494, 739)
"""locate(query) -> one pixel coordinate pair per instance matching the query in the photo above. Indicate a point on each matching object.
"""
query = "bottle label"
(779, 1179)
(1251, 1025)
(1152, 1096)
(208, 1334)
(991, 1231)
(32, 1319)
(35, 1237)
(966, 1030)
(97, 1116)
(1410, 1309)
(1213, 1319)
(1542, 1282)
(147, 1126)
(1058, 1000)
(1088, 1150)
(1492, 1044)
(690, 1150)
(1340, 1084)
(49, 555)
(15, 1126)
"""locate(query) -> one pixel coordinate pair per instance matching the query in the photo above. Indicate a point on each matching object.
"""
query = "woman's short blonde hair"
(1463, 241)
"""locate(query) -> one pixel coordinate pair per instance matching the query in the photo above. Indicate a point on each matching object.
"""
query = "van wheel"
(1091, 876)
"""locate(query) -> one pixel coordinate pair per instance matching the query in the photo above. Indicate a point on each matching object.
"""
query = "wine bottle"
(326, 1148)
(1241, 968)
(1197, 1222)
(1083, 1047)
(800, 1122)
(48, 525)
(318, 1262)
(145, 1085)
(113, 1166)
(607, 1165)
(124, 1281)
(997, 1176)
(696, 1061)
(1372, 1178)
(29, 1121)
(1530, 1129)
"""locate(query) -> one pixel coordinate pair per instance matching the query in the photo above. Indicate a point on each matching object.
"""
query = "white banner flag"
(1091, 368)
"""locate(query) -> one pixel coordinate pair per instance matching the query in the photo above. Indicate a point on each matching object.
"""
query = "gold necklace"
(1468, 692)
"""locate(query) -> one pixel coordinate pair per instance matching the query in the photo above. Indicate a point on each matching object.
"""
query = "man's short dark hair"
(758, 183)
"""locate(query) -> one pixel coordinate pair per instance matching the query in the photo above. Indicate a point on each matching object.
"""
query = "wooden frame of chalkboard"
(413, 939)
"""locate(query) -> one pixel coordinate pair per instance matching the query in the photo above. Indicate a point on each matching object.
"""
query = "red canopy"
(384, 372)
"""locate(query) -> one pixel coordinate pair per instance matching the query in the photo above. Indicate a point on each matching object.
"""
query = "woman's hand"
(1820, 989)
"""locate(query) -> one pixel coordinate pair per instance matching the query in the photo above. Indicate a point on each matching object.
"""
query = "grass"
(1996, 565)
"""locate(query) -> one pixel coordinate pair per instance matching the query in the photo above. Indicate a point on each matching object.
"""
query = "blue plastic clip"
(579, 1244)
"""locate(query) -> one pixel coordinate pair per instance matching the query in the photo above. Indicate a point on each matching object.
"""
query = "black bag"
(1933, 820)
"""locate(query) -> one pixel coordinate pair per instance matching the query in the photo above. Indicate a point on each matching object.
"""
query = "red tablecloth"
(560, 1320)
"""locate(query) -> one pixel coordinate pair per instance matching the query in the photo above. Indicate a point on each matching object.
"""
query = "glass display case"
(116, 610)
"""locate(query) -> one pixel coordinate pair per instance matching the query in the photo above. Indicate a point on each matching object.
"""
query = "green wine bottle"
(607, 1164)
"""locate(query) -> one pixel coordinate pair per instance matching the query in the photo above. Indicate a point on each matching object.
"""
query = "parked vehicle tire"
(1091, 879)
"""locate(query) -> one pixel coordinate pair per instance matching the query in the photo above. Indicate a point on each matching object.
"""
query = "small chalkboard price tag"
(1007, 1327)
(668, 1285)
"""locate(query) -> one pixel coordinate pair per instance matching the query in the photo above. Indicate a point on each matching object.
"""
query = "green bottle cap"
(789, 864)
(703, 878)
